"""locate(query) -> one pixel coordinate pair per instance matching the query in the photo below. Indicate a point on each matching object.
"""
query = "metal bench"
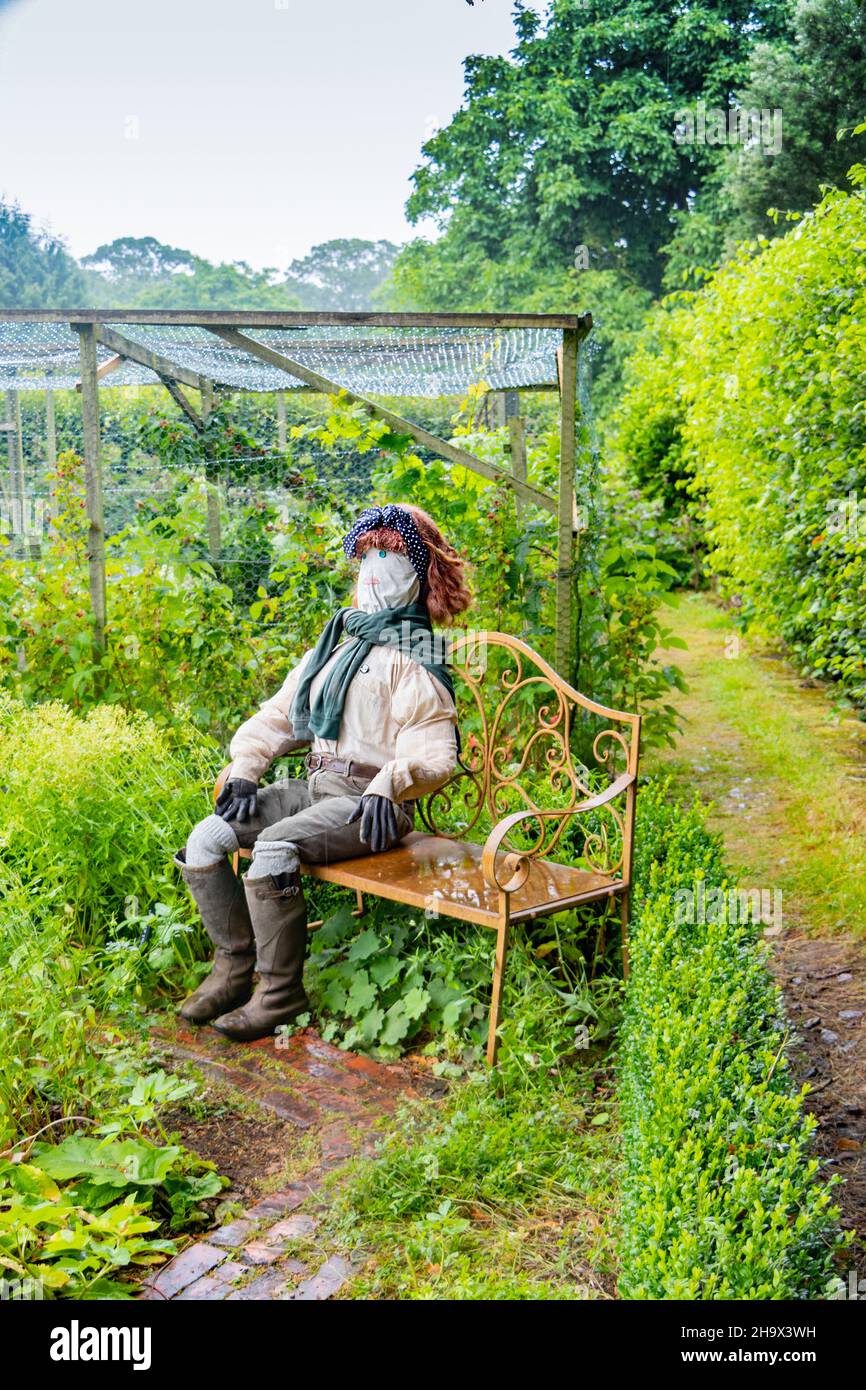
(519, 780)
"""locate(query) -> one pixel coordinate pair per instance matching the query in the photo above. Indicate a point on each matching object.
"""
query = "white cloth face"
(386, 580)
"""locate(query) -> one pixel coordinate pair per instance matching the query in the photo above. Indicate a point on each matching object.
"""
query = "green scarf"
(391, 628)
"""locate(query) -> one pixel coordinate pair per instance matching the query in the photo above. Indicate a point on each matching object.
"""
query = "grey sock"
(273, 857)
(211, 840)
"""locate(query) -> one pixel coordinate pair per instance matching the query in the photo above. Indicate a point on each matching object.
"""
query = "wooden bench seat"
(518, 778)
(446, 878)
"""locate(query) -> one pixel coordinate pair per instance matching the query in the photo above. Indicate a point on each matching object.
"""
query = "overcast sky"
(241, 129)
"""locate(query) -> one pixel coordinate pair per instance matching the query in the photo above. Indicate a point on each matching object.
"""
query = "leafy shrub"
(96, 805)
(748, 398)
(395, 981)
(720, 1197)
(76, 1213)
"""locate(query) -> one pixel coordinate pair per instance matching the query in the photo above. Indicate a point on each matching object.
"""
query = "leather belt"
(344, 767)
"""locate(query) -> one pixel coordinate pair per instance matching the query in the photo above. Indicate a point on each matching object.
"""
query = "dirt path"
(784, 772)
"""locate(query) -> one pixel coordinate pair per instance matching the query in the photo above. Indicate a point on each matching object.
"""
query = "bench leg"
(623, 917)
(600, 941)
(496, 1000)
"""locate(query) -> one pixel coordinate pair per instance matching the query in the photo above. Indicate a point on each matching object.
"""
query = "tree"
(570, 141)
(342, 274)
(818, 81)
(138, 258)
(141, 272)
(36, 270)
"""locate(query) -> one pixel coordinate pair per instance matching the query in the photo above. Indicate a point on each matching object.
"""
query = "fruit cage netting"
(143, 476)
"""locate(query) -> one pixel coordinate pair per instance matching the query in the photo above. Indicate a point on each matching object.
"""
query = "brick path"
(269, 1252)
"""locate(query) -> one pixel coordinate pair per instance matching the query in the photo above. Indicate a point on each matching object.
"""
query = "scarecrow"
(375, 702)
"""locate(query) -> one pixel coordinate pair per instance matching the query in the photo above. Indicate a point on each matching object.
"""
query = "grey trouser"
(312, 815)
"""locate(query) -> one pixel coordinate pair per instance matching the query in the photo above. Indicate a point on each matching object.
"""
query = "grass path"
(785, 771)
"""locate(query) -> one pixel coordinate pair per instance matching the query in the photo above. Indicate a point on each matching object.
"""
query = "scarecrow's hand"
(378, 822)
(237, 800)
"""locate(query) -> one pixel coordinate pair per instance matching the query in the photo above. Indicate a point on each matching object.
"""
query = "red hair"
(444, 591)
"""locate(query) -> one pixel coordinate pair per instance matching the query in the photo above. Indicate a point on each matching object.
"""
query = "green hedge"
(96, 805)
(745, 405)
(721, 1199)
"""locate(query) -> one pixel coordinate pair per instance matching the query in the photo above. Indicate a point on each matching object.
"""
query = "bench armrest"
(517, 863)
(221, 781)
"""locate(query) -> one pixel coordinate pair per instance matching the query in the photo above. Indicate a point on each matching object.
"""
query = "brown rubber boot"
(279, 917)
(219, 896)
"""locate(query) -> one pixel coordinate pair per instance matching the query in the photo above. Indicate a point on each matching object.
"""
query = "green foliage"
(720, 1197)
(49, 1237)
(141, 271)
(486, 1196)
(818, 82)
(96, 806)
(758, 393)
(36, 271)
(570, 140)
(398, 981)
(342, 274)
(622, 632)
(82, 1214)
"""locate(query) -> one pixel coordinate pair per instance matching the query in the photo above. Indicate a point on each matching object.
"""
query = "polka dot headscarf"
(392, 518)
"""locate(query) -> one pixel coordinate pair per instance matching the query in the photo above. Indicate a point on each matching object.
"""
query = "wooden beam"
(125, 347)
(430, 441)
(296, 318)
(93, 478)
(110, 366)
(186, 406)
(565, 539)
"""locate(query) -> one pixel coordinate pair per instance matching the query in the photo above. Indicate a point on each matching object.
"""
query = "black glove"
(237, 800)
(378, 822)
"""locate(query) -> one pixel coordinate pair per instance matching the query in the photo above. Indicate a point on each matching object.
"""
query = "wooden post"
(16, 520)
(50, 431)
(565, 542)
(214, 524)
(19, 453)
(51, 449)
(282, 431)
(16, 451)
(517, 432)
(93, 477)
(11, 453)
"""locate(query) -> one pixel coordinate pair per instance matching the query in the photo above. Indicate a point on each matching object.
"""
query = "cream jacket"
(396, 716)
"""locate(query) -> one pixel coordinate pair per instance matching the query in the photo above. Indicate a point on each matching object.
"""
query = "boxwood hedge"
(721, 1198)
